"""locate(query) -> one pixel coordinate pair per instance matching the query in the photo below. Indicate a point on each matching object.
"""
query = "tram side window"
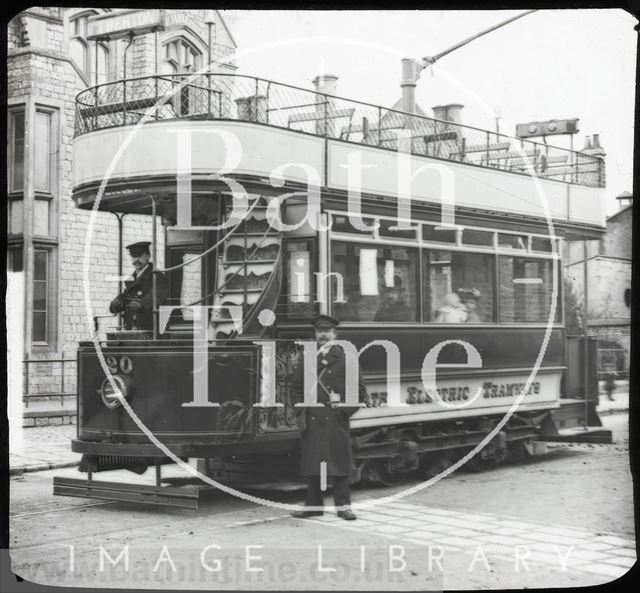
(458, 287)
(298, 280)
(379, 284)
(526, 288)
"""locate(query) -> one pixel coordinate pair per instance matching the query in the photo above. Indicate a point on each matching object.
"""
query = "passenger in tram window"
(453, 311)
(136, 301)
(348, 311)
(394, 306)
(470, 298)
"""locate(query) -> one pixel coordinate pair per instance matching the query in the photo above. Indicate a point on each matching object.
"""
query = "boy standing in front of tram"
(325, 431)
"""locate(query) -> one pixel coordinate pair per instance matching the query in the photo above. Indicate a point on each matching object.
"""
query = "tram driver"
(136, 301)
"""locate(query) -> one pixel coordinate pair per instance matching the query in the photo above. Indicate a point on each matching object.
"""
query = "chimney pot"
(325, 84)
(596, 141)
(450, 112)
(587, 143)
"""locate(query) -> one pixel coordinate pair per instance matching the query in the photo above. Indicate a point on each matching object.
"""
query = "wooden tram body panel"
(160, 379)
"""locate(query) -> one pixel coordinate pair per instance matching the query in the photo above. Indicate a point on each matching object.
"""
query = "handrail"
(219, 288)
(201, 255)
(255, 309)
(267, 102)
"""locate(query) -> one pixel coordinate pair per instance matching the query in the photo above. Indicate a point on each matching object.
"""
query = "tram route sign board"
(551, 127)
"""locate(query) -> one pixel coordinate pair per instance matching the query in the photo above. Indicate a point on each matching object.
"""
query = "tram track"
(187, 525)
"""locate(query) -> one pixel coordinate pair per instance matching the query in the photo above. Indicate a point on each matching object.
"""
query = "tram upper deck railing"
(245, 98)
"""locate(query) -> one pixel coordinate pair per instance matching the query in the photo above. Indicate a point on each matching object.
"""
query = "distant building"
(609, 288)
(49, 61)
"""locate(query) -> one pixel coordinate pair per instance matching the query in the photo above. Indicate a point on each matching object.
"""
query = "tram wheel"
(478, 463)
(435, 464)
(519, 452)
(384, 474)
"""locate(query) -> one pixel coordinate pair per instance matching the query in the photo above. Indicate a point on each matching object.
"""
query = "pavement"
(49, 447)
(42, 448)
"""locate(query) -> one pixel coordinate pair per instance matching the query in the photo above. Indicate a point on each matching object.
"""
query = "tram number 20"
(123, 365)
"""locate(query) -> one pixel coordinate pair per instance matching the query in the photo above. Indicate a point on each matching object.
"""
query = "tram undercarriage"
(384, 456)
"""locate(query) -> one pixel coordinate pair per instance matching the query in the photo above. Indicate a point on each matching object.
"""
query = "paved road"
(564, 519)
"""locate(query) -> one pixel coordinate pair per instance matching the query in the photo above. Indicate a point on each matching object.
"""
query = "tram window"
(458, 287)
(541, 244)
(386, 230)
(342, 224)
(512, 241)
(435, 234)
(191, 288)
(473, 237)
(526, 289)
(298, 280)
(379, 284)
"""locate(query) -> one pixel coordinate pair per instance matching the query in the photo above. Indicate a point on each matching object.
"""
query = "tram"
(436, 238)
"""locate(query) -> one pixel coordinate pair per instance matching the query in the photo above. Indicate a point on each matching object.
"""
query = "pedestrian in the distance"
(609, 384)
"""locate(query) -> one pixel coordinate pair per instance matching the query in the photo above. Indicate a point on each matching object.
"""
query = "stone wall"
(617, 240)
(608, 278)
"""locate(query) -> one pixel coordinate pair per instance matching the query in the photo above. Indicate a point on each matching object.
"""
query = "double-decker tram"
(437, 246)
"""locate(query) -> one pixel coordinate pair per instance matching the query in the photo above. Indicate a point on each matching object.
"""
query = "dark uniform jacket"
(325, 430)
(140, 290)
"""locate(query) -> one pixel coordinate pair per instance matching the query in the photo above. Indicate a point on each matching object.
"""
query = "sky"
(551, 64)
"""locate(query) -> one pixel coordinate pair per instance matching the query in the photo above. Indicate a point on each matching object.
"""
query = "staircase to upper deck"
(249, 275)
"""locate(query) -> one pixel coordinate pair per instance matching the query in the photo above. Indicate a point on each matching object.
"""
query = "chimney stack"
(588, 166)
(410, 74)
(451, 112)
(325, 84)
(594, 149)
(325, 106)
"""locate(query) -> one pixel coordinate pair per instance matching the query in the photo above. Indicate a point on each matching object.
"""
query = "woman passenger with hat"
(470, 298)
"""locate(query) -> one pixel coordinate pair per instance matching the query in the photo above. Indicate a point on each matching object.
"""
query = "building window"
(79, 51)
(103, 64)
(14, 260)
(378, 283)
(458, 287)
(83, 52)
(41, 303)
(43, 151)
(45, 155)
(181, 56)
(16, 150)
(526, 290)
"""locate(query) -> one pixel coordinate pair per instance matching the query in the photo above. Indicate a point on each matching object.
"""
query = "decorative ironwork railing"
(245, 98)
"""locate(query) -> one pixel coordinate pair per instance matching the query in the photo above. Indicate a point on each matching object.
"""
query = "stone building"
(609, 287)
(50, 60)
